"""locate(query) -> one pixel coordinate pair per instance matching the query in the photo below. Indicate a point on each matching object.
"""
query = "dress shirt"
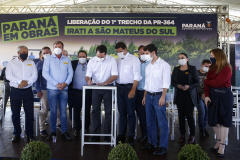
(158, 76)
(128, 69)
(79, 76)
(102, 71)
(17, 71)
(41, 83)
(141, 83)
(57, 71)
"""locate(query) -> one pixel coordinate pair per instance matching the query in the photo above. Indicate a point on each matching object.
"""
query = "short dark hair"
(82, 51)
(141, 46)
(206, 61)
(102, 49)
(151, 47)
(57, 42)
(46, 47)
(120, 45)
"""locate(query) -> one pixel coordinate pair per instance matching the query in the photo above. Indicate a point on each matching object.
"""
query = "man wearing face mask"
(78, 81)
(21, 73)
(41, 88)
(127, 82)
(202, 108)
(103, 70)
(158, 80)
(57, 70)
(140, 109)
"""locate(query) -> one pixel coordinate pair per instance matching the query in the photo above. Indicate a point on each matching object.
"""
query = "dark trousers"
(17, 98)
(7, 93)
(70, 101)
(77, 101)
(97, 97)
(185, 109)
(126, 108)
(141, 111)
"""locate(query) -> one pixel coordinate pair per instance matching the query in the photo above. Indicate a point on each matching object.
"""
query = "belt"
(124, 85)
(21, 88)
(104, 85)
(154, 93)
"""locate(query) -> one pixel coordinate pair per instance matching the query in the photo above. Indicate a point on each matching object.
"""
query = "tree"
(131, 48)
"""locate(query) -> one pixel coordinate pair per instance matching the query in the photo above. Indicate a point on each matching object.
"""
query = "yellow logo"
(65, 62)
(29, 64)
(186, 73)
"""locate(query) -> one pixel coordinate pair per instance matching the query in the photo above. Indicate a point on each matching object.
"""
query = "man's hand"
(131, 94)
(186, 87)
(144, 101)
(203, 96)
(59, 86)
(39, 94)
(89, 82)
(207, 101)
(102, 84)
(161, 101)
(24, 83)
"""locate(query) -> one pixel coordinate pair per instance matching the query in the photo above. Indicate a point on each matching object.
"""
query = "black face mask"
(23, 56)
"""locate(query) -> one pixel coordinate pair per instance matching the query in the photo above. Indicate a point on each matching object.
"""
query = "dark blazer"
(193, 81)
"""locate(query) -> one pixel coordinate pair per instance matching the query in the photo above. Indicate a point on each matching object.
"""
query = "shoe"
(191, 140)
(51, 135)
(76, 133)
(213, 149)
(206, 132)
(94, 139)
(30, 138)
(219, 154)
(182, 138)
(142, 139)
(66, 136)
(44, 133)
(16, 139)
(120, 138)
(160, 151)
(202, 133)
(107, 139)
(131, 140)
(148, 147)
(59, 127)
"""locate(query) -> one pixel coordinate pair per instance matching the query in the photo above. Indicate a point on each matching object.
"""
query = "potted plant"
(36, 150)
(192, 152)
(122, 152)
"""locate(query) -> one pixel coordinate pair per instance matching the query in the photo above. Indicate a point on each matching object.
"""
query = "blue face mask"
(213, 60)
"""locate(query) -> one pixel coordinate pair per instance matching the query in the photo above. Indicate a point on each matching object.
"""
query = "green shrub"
(192, 152)
(122, 152)
(36, 150)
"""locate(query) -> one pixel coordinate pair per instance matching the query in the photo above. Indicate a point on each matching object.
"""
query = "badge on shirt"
(186, 72)
(29, 64)
(65, 62)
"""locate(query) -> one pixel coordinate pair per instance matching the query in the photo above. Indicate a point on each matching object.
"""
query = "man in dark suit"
(78, 81)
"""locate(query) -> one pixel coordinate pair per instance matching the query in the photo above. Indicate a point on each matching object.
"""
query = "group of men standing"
(142, 84)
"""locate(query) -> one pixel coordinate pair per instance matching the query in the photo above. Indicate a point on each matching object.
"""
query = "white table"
(113, 134)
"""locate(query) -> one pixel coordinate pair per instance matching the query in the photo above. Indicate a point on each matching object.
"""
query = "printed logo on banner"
(197, 26)
(30, 29)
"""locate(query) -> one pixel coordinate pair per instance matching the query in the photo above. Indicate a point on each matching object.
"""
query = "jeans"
(70, 101)
(152, 110)
(17, 98)
(126, 108)
(56, 97)
(202, 114)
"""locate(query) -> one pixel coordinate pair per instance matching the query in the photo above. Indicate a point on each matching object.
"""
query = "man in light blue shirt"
(140, 108)
(57, 70)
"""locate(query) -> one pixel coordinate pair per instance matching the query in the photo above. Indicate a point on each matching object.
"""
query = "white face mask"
(205, 69)
(120, 55)
(182, 62)
(142, 57)
(57, 51)
(100, 59)
(148, 57)
(82, 60)
(46, 55)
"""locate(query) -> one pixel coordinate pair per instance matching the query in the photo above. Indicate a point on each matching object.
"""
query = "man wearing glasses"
(78, 81)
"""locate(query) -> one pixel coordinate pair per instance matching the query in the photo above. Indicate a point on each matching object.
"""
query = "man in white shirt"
(103, 70)
(127, 82)
(157, 82)
(21, 73)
